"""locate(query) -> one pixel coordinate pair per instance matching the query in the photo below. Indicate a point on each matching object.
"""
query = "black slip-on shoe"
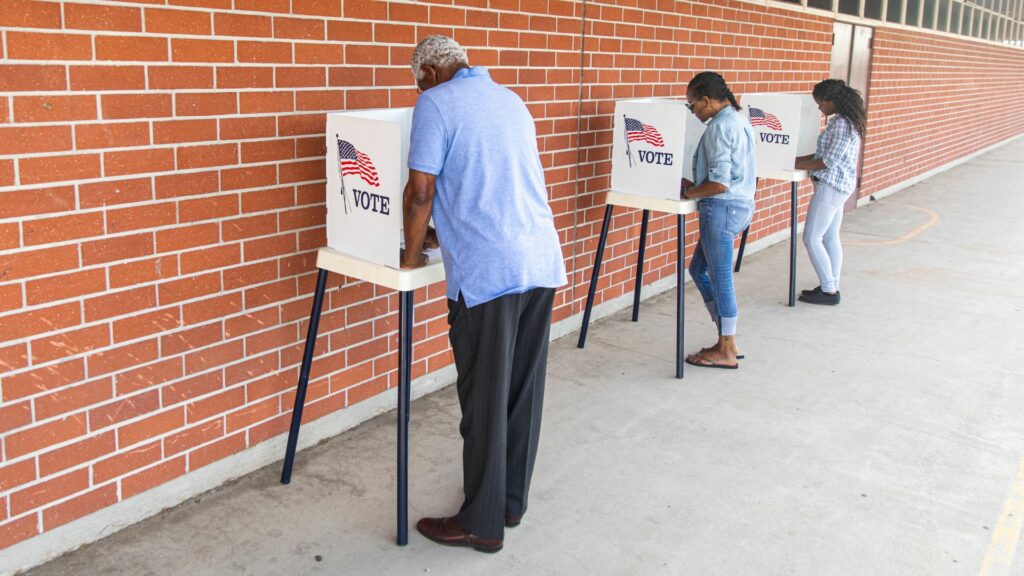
(809, 292)
(823, 298)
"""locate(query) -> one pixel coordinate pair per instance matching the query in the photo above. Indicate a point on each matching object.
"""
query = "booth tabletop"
(401, 280)
(647, 203)
(784, 175)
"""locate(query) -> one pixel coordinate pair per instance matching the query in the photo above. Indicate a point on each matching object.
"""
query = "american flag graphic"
(759, 117)
(352, 161)
(637, 131)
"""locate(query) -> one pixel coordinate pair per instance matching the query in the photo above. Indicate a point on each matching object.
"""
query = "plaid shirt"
(839, 147)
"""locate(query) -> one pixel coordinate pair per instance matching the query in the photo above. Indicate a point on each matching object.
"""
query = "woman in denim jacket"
(724, 181)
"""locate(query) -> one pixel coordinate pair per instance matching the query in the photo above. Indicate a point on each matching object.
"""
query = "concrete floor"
(880, 437)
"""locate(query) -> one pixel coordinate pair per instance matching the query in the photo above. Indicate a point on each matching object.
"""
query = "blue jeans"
(821, 234)
(711, 265)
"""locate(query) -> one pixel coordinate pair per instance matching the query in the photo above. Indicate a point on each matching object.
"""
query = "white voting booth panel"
(367, 168)
(654, 141)
(785, 126)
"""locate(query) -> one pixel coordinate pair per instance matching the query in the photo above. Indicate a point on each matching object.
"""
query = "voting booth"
(367, 168)
(785, 126)
(654, 143)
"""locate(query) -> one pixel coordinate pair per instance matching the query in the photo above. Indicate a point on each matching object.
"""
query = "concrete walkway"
(880, 437)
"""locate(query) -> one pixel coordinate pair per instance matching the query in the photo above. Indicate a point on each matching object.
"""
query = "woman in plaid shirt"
(833, 168)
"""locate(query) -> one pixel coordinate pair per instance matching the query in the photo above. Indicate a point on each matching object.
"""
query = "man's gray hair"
(436, 50)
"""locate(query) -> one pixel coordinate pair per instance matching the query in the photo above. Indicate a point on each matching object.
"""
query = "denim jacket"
(726, 155)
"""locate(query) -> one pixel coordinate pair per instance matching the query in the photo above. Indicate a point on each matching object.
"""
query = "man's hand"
(413, 260)
(431, 242)
(417, 202)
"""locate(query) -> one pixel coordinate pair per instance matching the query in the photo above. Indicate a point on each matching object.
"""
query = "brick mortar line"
(84, 411)
(186, 327)
(154, 230)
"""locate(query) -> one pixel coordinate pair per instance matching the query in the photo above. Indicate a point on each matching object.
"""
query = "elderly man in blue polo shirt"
(474, 166)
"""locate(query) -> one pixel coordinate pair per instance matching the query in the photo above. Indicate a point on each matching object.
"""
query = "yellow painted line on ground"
(933, 219)
(1002, 549)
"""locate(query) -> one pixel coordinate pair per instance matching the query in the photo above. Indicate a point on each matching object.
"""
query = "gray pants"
(501, 351)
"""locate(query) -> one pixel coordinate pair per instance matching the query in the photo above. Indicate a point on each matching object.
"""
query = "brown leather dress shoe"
(448, 532)
(512, 521)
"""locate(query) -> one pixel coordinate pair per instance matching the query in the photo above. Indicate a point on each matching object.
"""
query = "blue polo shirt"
(491, 209)
(726, 155)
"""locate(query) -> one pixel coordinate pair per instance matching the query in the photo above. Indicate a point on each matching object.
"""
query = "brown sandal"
(702, 362)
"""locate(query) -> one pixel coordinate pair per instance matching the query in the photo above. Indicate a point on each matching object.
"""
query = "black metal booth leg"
(595, 275)
(640, 266)
(307, 363)
(792, 243)
(405, 320)
(680, 299)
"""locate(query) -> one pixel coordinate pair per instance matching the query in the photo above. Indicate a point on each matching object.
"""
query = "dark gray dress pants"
(501, 352)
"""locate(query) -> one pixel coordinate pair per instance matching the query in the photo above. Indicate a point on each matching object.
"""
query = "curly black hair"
(712, 85)
(847, 101)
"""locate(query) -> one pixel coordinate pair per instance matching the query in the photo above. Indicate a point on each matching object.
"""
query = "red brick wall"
(161, 200)
(934, 99)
